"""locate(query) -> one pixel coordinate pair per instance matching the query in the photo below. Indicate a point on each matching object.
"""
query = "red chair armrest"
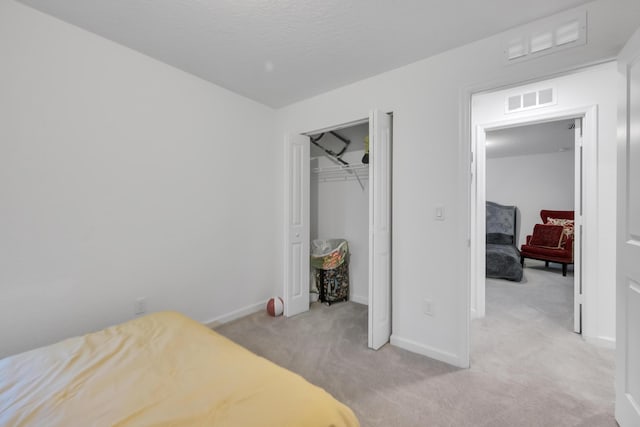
(569, 246)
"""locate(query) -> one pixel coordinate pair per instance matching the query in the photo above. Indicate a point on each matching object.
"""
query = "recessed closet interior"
(339, 198)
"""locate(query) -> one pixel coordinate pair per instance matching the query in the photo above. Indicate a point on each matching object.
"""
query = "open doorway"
(331, 164)
(532, 186)
(588, 94)
(579, 125)
(542, 165)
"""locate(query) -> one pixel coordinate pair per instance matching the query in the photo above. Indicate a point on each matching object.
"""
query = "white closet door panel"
(297, 226)
(628, 254)
(379, 229)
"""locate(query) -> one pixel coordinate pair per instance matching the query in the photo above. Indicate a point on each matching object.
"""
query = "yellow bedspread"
(160, 370)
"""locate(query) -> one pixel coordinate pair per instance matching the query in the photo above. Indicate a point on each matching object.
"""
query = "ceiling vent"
(530, 100)
(547, 36)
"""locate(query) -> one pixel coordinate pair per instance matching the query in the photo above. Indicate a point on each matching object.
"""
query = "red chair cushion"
(540, 251)
(547, 236)
(568, 225)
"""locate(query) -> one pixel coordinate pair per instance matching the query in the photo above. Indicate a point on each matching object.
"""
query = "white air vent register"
(547, 36)
(529, 100)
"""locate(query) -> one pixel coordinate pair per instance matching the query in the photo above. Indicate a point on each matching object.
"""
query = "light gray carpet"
(528, 368)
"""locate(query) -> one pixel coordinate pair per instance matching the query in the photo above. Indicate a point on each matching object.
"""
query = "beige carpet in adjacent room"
(527, 366)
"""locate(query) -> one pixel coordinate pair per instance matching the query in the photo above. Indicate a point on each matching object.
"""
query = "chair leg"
(546, 264)
(521, 260)
(564, 269)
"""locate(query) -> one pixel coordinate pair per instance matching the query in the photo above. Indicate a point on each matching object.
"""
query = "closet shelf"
(340, 168)
(342, 172)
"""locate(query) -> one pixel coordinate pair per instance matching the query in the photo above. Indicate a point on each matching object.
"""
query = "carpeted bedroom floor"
(527, 366)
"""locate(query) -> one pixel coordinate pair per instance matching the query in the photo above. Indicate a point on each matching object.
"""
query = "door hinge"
(471, 164)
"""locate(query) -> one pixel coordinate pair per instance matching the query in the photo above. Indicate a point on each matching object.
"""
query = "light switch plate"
(427, 307)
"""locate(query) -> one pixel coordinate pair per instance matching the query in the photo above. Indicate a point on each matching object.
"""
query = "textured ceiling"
(281, 51)
(551, 137)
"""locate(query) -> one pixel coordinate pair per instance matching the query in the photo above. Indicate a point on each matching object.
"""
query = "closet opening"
(338, 214)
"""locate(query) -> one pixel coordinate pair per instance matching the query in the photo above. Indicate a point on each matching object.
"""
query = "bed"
(163, 369)
(502, 256)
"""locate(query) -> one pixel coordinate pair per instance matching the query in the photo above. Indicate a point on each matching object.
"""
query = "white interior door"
(628, 237)
(296, 295)
(479, 225)
(577, 242)
(379, 229)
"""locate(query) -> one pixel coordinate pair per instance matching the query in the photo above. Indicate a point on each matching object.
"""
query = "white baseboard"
(431, 352)
(235, 314)
(606, 342)
(359, 299)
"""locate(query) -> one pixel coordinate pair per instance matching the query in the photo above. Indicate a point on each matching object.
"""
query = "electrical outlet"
(427, 307)
(439, 213)
(140, 306)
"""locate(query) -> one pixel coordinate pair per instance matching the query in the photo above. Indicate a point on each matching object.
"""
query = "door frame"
(465, 173)
(589, 116)
(288, 284)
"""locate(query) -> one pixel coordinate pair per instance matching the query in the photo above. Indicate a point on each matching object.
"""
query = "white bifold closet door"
(379, 229)
(297, 214)
(297, 228)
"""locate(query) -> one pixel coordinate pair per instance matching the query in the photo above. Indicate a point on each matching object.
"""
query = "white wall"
(594, 87)
(532, 183)
(430, 258)
(122, 177)
(340, 209)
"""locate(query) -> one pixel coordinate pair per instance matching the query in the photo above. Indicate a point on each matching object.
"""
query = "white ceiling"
(551, 137)
(281, 51)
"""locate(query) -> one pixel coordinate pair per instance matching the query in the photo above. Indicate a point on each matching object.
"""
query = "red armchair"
(562, 255)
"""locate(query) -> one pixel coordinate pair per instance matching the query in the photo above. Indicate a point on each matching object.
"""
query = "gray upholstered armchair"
(502, 256)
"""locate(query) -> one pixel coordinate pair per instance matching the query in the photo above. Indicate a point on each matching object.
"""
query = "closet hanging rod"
(341, 173)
